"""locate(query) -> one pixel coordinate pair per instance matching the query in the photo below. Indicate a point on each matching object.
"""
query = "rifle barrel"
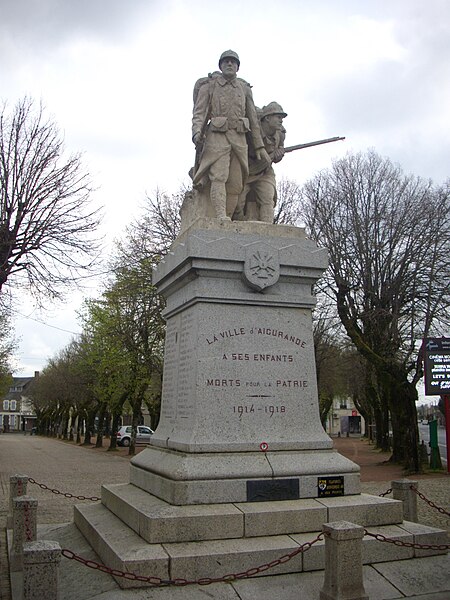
(316, 143)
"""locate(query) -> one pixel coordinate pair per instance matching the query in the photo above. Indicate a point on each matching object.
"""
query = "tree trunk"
(134, 424)
(115, 427)
(367, 414)
(405, 430)
(101, 425)
(90, 421)
(65, 426)
(325, 403)
(79, 427)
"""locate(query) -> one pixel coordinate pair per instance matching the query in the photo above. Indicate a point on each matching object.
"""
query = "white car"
(143, 435)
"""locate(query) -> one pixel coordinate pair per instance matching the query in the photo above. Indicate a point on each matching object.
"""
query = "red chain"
(382, 538)
(157, 581)
(65, 494)
(429, 502)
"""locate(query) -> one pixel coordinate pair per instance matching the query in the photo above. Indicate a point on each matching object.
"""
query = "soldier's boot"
(219, 200)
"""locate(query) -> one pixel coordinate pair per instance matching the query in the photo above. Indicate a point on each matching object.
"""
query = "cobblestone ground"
(64, 466)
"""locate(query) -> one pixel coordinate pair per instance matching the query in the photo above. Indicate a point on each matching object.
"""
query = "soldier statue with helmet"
(258, 198)
(224, 118)
(236, 144)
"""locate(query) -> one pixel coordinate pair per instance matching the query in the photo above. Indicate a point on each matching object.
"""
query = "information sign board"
(437, 366)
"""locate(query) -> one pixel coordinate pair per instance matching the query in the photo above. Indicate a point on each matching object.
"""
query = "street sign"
(436, 358)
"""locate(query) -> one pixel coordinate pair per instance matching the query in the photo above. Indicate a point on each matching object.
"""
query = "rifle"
(309, 144)
(258, 166)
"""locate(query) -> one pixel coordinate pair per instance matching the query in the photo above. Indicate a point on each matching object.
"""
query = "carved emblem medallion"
(262, 266)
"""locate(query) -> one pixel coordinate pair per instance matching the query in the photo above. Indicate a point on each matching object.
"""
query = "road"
(424, 432)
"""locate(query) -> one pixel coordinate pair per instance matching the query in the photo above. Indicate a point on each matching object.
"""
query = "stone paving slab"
(307, 586)
(419, 576)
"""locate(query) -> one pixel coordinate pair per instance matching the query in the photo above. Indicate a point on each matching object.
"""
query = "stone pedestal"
(240, 471)
(24, 528)
(41, 570)
(401, 490)
(17, 487)
(240, 417)
(343, 562)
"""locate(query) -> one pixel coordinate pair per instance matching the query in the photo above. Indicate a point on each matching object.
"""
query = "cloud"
(43, 23)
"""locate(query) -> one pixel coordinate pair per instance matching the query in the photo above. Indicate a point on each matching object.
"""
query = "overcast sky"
(117, 77)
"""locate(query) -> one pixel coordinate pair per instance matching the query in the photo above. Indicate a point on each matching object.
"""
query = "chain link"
(382, 538)
(429, 502)
(386, 493)
(157, 581)
(65, 494)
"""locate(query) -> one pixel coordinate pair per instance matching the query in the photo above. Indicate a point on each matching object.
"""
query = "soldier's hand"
(197, 138)
(261, 154)
(278, 154)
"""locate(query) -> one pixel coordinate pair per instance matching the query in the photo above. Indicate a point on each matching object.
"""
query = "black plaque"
(264, 490)
(327, 487)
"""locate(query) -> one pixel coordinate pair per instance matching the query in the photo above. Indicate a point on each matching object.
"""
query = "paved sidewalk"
(82, 471)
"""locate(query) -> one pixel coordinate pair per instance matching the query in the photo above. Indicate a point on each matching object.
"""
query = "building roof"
(17, 382)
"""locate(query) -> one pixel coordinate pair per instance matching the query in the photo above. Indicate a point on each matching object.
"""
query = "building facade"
(16, 410)
(344, 418)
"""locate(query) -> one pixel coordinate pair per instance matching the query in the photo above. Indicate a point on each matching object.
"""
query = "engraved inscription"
(268, 410)
(271, 394)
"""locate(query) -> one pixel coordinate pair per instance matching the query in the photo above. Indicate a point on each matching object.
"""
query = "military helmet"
(273, 108)
(230, 54)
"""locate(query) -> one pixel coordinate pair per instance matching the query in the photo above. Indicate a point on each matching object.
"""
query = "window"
(12, 405)
(5, 404)
(12, 421)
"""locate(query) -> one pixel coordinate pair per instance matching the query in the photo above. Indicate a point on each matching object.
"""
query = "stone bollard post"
(17, 487)
(41, 570)
(343, 562)
(24, 528)
(401, 490)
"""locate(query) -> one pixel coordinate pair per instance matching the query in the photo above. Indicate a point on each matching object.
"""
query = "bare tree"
(388, 237)
(47, 224)
(159, 225)
(287, 209)
(7, 347)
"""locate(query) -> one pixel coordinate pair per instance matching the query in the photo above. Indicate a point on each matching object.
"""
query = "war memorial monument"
(240, 470)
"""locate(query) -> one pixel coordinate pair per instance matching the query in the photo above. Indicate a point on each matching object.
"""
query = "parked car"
(143, 435)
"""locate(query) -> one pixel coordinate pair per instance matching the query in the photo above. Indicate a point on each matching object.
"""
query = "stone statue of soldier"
(224, 117)
(258, 198)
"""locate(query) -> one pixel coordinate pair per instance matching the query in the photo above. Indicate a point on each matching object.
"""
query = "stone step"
(118, 546)
(158, 521)
(121, 548)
